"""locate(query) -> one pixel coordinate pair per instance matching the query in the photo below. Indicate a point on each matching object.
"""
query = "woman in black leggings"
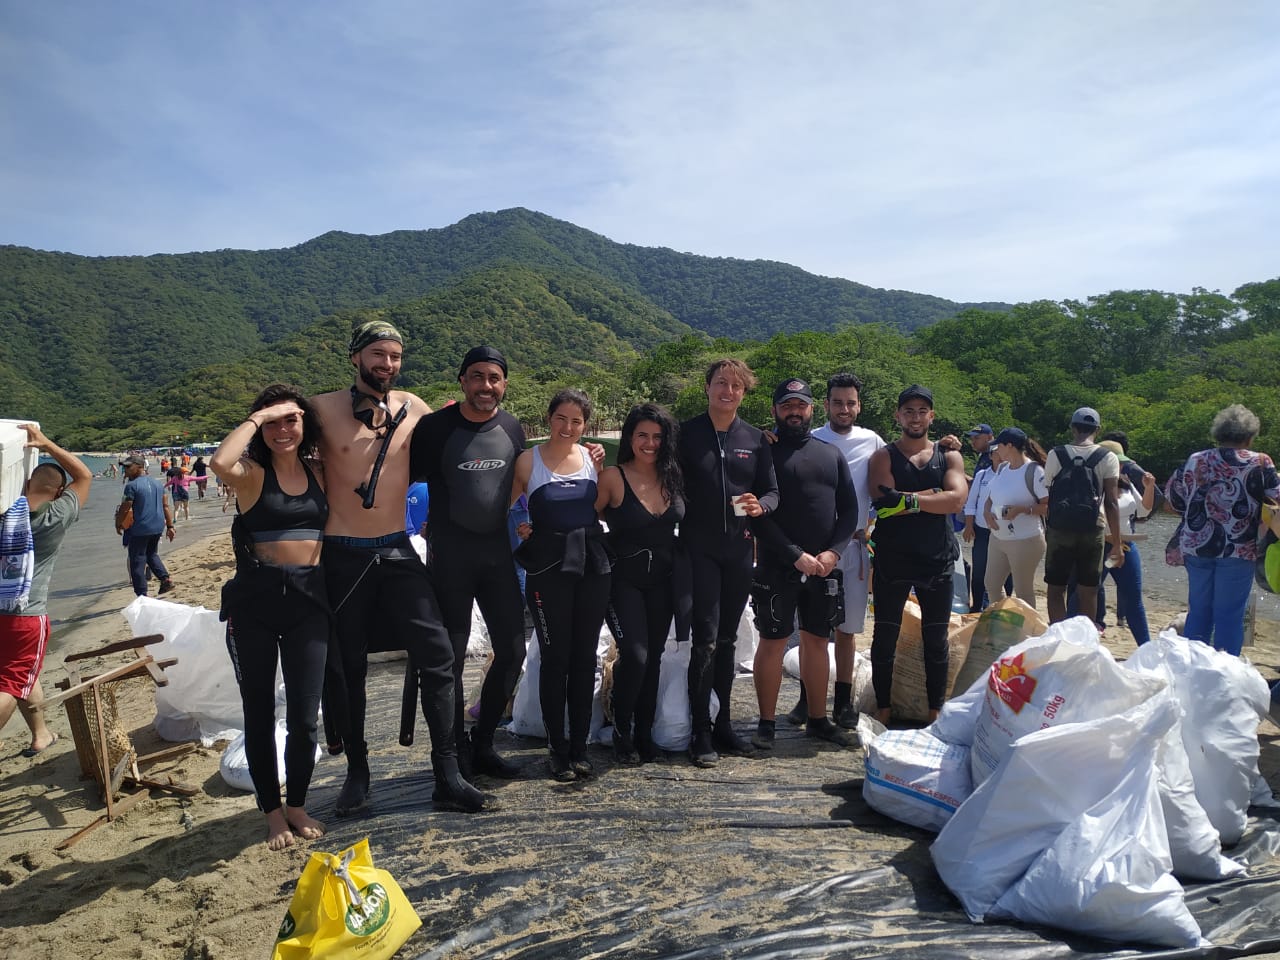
(642, 499)
(567, 588)
(276, 606)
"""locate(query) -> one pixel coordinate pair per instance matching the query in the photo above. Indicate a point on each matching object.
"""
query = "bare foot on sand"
(884, 714)
(279, 835)
(303, 824)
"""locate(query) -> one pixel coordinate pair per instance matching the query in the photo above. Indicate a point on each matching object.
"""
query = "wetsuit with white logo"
(469, 468)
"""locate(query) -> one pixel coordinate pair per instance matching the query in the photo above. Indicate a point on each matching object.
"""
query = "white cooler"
(16, 461)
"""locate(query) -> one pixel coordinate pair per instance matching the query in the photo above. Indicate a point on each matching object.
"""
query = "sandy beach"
(192, 878)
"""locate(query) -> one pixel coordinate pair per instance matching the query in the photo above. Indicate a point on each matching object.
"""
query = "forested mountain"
(78, 332)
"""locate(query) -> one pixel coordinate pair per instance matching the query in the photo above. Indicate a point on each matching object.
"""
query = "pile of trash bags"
(1073, 790)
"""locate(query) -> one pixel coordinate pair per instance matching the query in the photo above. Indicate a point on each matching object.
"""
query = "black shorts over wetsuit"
(469, 469)
(720, 547)
(916, 550)
(817, 511)
(278, 612)
(641, 605)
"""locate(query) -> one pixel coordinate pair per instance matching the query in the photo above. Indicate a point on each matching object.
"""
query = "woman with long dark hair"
(642, 500)
(276, 607)
(567, 562)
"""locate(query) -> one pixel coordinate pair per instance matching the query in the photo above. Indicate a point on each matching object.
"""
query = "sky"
(1005, 150)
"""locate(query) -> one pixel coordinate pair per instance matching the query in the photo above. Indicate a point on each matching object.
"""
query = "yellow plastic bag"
(345, 907)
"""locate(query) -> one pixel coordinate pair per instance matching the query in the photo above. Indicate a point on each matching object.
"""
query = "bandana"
(371, 331)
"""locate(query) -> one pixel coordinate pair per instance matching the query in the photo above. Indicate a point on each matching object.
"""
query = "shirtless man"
(382, 595)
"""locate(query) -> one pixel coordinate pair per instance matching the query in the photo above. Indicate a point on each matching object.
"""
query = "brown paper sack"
(1001, 625)
(909, 701)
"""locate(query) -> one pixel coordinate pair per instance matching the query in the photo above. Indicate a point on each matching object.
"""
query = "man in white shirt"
(843, 404)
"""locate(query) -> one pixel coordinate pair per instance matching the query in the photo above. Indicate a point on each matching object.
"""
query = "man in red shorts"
(55, 493)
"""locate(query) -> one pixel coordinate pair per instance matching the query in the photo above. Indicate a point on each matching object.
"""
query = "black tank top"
(632, 527)
(915, 546)
(282, 516)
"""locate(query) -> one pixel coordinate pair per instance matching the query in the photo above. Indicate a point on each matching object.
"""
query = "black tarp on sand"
(776, 857)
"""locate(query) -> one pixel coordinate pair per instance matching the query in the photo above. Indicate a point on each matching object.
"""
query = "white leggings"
(1019, 557)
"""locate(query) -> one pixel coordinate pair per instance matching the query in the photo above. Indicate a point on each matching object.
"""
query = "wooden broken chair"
(103, 747)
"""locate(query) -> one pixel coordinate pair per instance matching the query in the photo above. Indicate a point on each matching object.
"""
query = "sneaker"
(846, 717)
(701, 752)
(729, 744)
(763, 737)
(166, 585)
(823, 729)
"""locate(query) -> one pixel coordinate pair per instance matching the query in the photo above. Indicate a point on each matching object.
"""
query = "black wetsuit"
(567, 589)
(469, 469)
(278, 611)
(720, 548)
(641, 605)
(817, 511)
(916, 550)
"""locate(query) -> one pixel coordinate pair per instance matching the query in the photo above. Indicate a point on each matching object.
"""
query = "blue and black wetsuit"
(568, 562)
(641, 605)
(469, 468)
(278, 612)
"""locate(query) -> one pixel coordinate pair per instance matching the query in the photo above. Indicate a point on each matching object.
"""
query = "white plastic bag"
(1193, 841)
(672, 725)
(1066, 676)
(1108, 872)
(1047, 780)
(234, 766)
(864, 695)
(1223, 699)
(202, 699)
(911, 775)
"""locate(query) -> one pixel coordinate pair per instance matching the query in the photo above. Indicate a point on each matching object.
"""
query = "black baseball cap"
(915, 390)
(793, 388)
(483, 354)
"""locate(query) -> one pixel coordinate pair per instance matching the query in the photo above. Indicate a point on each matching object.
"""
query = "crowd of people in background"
(695, 520)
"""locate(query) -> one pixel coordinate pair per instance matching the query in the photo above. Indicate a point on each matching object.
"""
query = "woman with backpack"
(1219, 492)
(1016, 500)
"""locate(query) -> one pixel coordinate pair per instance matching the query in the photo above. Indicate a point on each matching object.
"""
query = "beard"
(795, 430)
(380, 384)
(915, 433)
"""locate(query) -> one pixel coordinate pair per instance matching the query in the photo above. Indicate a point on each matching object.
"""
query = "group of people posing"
(699, 517)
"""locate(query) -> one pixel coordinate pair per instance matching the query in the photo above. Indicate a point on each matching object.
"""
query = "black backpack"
(1076, 493)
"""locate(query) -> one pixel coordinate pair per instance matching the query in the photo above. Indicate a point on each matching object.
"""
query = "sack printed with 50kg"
(344, 907)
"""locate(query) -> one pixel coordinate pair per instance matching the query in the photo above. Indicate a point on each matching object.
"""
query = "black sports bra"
(283, 516)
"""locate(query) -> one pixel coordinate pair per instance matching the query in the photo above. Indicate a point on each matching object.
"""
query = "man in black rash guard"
(914, 484)
(467, 454)
(723, 460)
(797, 569)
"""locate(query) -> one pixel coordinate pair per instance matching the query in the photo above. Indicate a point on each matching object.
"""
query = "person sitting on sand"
(277, 604)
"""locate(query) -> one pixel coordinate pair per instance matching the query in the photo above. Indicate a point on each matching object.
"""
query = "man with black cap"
(980, 438)
(798, 565)
(916, 484)
(467, 454)
(1084, 490)
(382, 594)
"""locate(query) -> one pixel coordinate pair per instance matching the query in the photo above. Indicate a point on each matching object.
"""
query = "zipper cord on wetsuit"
(724, 480)
(376, 558)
